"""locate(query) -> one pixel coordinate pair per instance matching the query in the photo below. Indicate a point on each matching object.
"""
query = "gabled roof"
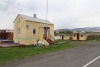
(35, 19)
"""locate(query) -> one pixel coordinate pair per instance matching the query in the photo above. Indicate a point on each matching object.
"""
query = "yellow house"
(31, 30)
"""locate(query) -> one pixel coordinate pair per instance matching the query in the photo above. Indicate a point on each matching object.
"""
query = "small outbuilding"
(79, 36)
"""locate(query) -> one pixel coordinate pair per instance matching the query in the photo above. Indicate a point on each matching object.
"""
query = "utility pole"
(47, 11)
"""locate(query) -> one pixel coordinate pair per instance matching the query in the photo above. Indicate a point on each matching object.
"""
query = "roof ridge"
(35, 19)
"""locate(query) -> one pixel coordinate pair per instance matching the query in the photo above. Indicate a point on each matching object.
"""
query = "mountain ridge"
(88, 29)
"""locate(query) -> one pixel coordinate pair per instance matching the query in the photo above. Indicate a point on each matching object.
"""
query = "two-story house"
(29, 30)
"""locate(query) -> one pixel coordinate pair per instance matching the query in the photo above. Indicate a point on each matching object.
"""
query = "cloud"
(63, 13)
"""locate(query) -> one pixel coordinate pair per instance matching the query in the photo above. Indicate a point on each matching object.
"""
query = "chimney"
(34, 16)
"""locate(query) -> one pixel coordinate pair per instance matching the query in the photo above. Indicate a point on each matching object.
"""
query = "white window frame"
(18, 31)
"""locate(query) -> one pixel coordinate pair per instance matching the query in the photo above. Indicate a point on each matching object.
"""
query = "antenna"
(47, 11)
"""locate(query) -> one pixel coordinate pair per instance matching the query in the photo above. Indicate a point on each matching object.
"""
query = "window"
(34, 31)
(81, 35)
(27, 27)
(45, 32)
(18, 20)
(18, 31)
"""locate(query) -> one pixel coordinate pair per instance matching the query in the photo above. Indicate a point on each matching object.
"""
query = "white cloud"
(63, 13)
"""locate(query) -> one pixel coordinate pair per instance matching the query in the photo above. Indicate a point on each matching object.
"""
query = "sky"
(63, 13)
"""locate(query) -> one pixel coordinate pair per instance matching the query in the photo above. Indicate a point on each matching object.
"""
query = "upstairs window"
(18, 20)
(34, 31)
(27, 27)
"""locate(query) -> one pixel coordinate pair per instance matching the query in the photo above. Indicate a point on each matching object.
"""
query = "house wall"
(74, 37)
(83, 38)
(32, 38)
(19, 38)
(26, 36)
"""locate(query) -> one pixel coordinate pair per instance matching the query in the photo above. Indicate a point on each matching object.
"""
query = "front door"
(77, 36)
(46, 32)
(62, 37)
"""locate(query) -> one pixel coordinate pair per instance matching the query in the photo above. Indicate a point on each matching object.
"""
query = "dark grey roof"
(35, 19)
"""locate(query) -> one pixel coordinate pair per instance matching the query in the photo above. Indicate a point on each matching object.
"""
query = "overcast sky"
(63, 13)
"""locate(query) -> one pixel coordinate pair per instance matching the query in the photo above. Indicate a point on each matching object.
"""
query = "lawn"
(15, 53)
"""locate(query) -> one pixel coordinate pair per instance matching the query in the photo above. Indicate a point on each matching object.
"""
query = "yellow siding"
(19, 38)
(39, 32)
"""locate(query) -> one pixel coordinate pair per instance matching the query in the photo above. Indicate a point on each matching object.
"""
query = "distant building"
(6, 34)
(31, 30)
(79, 36)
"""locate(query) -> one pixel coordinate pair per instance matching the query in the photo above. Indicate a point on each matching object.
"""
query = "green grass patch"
(15, 53)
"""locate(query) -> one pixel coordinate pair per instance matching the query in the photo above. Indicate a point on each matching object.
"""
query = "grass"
(15, 53)
(97, 39)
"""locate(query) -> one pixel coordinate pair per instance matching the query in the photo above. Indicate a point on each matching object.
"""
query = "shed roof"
(35, 19)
